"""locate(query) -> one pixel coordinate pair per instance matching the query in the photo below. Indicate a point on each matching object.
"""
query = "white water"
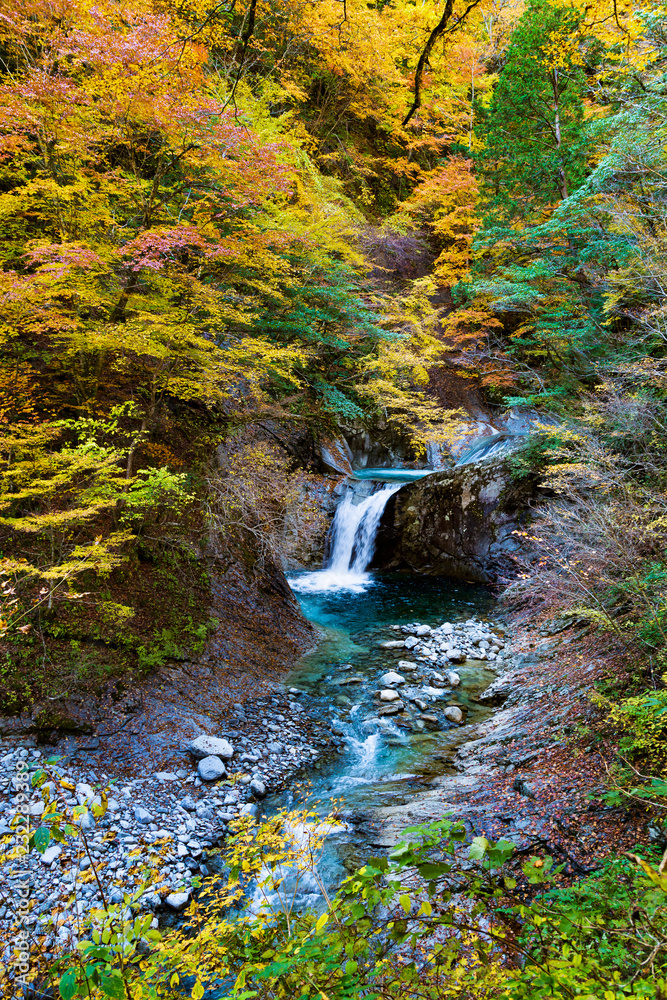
(492, 446)
(352, 545)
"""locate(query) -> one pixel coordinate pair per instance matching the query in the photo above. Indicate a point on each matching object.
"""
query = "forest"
(231, 233)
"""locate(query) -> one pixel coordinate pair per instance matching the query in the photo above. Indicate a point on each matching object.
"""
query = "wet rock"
(211, 746)
(394, 644)
(497, 693)
(410, 642)
(429, 720)
(453, 679)
(408, 665)
(258, 788)
(456, 656)
(211, 768)
(392, 679)
(392, 709)
(454, 714)
(389, 695)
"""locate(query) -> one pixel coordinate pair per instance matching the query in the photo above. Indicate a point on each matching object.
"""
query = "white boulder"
(456, 655)
(211, 746)
(392, 679)
(177, 900)
(211, 768)
(389, 695)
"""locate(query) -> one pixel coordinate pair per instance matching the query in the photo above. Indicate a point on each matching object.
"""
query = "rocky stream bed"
(429, 719)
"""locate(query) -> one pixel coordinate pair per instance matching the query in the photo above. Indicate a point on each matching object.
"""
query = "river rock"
(142, 815)
(410, 642)
(211, 746)
(392, 679)
(258, 788)
(211, 768)
(389, 695)
(453, 713)
(456, 656)
(393, 644)
(177, 900)
(392, 709)
(250, 809)
(453, 678)
(423, 630)
(50, 854)
(408, 665)
(86, 822)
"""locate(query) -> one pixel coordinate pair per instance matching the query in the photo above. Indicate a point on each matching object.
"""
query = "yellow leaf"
(321, 922)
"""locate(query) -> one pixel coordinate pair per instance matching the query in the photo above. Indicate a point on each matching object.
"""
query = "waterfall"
(351, 544)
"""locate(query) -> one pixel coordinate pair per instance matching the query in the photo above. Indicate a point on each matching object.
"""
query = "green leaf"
(68, 985)
(351, 967)
(405, 902)
(113, 986)
(42, 838)
(38, 778)
(428, 870)
(478, 848)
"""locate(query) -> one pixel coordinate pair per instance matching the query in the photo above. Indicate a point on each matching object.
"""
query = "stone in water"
(392, 679)
(389, 695)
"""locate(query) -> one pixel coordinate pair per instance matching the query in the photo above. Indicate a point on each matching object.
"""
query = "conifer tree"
(533, 153)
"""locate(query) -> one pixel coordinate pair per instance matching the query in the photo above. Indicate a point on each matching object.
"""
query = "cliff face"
(457, 523)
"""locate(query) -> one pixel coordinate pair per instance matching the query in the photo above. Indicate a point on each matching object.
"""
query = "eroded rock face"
(457, 523)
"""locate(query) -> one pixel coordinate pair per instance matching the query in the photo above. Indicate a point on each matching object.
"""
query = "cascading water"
(492, 446)
(351, 544)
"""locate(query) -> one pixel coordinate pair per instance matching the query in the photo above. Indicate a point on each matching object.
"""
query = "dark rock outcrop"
(458, 523)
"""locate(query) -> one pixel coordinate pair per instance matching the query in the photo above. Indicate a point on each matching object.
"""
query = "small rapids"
(383, 761)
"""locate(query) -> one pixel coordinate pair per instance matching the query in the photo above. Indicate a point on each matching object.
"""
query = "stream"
(387, 760)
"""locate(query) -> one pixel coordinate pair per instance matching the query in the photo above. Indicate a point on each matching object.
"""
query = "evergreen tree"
(533, 153)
